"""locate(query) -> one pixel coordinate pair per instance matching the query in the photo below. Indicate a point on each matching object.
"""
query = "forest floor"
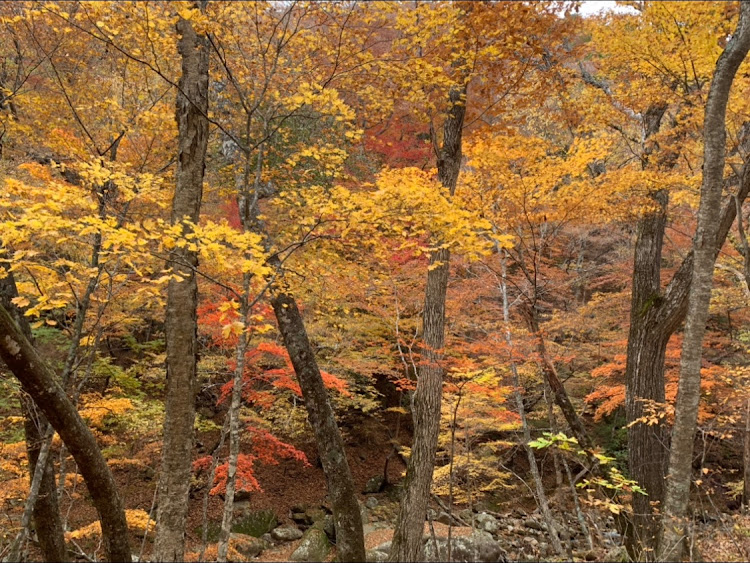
(723, 536)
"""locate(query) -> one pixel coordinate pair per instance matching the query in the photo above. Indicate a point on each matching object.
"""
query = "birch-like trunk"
(234, 425)
(704, 248)
(541, 496)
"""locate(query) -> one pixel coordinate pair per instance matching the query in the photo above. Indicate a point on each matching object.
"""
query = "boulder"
(255, 523)
(314, 515)
(534, 524)
(487, 522)
(286, 533)
(375, 484)
(375, 556)
(329, 527)
(313, 547)
(248, 546)
(371, 502)
(480, 546)
(445, 518)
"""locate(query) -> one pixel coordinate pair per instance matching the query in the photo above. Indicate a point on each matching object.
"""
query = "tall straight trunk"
(644, 381)
(46, 512)
(234, 426)
(182, 300)
(40, 383)
(247, 205)
(350, 543)
(704, 250)
(427, 399)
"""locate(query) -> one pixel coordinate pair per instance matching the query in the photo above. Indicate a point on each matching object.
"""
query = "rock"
(384, 547)
(329, 527)
(375, 484)
(480, 546)
(242, 506)
(586, 555)
(613, 536)
(466, 515)
(314, 514)
(531, 542)
(371, 502)
(268, 538)
(564, 534)
(487, 522)
(248, 546)
(255, 523)
(617, 554)
(301, 518)
(375, 556)
(313, 547)
(286, 533)
(241, 496)
(444, 518)
(534, 525)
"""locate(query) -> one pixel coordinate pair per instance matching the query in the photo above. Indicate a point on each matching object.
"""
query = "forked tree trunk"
(46, 512)
(655, 315)
(350, 543)
(407, 538)
(40, 383)
(182, 300)
(704, 249)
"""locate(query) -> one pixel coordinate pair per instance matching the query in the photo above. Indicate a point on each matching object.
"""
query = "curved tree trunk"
(427, 399)
(350, 543)
(182, 300)
(40, 383)
(705, 245)
(46, 514)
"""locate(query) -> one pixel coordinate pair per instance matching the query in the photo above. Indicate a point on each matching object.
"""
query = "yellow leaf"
(20, 302)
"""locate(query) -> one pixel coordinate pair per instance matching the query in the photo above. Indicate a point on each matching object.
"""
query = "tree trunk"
(40, 383)
(182, 300)
(350, 543)
(427, 399)
(234, 425)
(746, 460)
(705, 247)
(657, 316)
(541, 496)
(558, 389)
(644, 380)
(46, 515)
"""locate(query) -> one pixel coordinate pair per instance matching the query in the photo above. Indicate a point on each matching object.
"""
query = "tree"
(46, 511)
(182, 298)
(40, 383)
(705, 248)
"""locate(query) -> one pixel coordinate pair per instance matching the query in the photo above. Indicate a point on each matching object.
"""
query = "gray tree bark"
(427, 399)
(40, 383)
(705, 245)
(350, 543)
(43, 495)
(182, 300)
